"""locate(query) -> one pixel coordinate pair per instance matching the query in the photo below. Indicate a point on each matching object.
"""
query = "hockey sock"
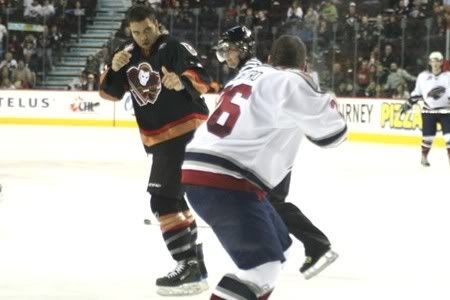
(177, 235)
(425, 150)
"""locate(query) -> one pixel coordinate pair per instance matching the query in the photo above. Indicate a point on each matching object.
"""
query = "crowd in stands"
(358, 48)
(25, 56)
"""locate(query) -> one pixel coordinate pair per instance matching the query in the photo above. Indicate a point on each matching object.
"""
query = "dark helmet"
(239, 37)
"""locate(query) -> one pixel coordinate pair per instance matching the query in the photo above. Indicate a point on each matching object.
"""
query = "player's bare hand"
(171, 80)
(120, 59)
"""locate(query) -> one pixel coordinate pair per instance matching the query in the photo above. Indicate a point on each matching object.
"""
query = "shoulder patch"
(189, 48)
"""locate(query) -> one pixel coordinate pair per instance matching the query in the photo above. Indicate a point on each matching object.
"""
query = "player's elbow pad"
(331, 140)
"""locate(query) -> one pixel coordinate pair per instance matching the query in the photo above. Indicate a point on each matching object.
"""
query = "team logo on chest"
(145, 84)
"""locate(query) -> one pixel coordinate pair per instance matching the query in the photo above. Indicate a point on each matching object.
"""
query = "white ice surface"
(74, 201)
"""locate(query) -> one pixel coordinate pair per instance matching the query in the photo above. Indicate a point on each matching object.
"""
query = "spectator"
(277, 13)
(397, 77)
(78, 83)
(56, 43)
(44, 50)
(311, 19)
(92, 65)
(33, 12)
(6, 84)
(401, 9)
(263, 34)
(5, 77)
(401, 92)
(3, 35)
(387, 58)
(351, 18)
(15, 47)
(102, 57)
(29, 45)
(22, 77)
(392, 30)
(9, 63)
(249, 18)
(371, 90)
(91, 83)
(329, 12)
(295, 12)
(362, 78)
(378, 28)
(47, 11)
(32, 61)
(366, 38)
(339, 76)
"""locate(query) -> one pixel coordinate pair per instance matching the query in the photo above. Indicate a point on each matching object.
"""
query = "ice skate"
(315, 264)
(424, 161)
(185, 280)
(201, 261)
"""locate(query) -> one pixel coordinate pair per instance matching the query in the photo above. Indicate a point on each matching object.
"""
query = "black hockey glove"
(405, 107)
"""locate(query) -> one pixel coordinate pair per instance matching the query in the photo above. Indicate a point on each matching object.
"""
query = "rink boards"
(369, 120)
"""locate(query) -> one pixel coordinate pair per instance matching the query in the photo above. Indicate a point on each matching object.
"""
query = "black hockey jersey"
(161, 114)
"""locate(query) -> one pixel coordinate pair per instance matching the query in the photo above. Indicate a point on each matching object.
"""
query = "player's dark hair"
(288, 51)
(139, 12)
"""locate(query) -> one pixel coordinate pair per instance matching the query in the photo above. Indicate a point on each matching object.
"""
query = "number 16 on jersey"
(222, 121)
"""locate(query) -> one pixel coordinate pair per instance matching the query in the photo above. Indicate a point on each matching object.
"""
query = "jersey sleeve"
(113, 85)
(417, 92)
(315, 113)
(184, 61)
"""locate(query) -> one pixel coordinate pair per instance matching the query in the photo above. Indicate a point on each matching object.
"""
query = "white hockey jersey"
(434, 90)
(256, 129)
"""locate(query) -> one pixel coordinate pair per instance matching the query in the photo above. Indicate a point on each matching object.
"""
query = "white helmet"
(436, 56)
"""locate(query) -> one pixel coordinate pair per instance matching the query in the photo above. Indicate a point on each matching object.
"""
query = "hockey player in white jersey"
(433, 88)
(246, 148)
(235, 48)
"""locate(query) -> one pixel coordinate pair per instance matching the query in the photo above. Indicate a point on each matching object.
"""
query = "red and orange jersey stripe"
(172, 130)
(200, 85)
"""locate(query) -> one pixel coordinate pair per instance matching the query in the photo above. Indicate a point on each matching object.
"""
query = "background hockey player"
(165, 79)
(247, 147)
(235, 48)
(432, 86)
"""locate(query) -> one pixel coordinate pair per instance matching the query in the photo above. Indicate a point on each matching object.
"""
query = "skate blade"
(327, 259)
(187, 289)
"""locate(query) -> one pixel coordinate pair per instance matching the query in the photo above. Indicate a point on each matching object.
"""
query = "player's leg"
(429, 127)
(318, 253)
(178, 226)
(245, 227)
(445, 124)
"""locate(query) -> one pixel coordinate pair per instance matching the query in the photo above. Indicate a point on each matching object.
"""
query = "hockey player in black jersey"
(432, 86)
(165, 80)
(236, 49)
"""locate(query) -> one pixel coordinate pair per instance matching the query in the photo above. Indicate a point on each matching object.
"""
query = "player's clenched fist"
(171, 80)
(120, 59)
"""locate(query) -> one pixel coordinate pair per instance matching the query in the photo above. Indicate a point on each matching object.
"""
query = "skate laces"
(178, 270)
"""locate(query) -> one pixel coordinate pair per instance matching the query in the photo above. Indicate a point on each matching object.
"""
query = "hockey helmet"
(436, 56)
(238, 37)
